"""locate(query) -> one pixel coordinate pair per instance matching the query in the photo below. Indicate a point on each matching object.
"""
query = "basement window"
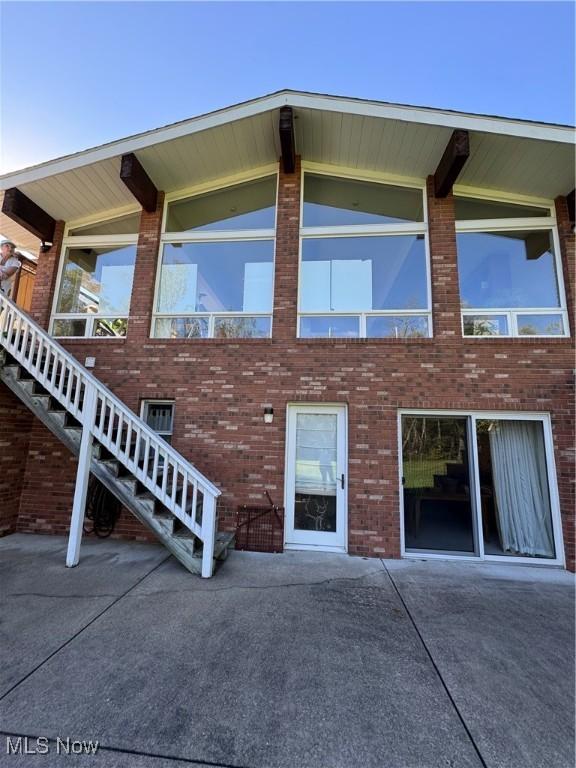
(509, 270)
(159, 415)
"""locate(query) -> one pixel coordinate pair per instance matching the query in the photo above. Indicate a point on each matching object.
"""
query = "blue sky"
(77, 74)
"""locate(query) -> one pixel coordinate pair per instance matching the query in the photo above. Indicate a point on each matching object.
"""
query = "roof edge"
(518, 128)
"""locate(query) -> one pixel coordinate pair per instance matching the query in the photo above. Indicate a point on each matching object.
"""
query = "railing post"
(208, 534)
(82, 476)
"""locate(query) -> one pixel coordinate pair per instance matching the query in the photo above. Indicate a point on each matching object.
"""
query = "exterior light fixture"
(268, 415)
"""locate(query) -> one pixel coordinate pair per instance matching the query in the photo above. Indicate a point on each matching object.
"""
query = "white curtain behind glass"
(316, 454)
(521, 487)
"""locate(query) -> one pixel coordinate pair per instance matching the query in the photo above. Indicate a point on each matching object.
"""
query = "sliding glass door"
(438, 512)
(479, 485)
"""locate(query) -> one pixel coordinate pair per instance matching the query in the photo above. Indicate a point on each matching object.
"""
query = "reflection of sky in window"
(495, 271)
(217, 277)
(363, 273)
(333, 327)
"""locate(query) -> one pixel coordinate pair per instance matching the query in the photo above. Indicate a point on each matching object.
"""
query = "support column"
(444, 265)
(82, 477)
(147, 261)
(287, 249)
(208, 534)
(45, 280)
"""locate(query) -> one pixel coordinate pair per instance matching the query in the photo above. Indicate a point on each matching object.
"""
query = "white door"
(316, 478)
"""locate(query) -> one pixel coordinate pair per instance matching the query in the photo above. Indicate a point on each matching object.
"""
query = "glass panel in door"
(315, 487)
(438, 513)
(316, 476)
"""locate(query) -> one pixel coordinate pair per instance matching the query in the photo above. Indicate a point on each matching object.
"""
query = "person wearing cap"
(9, 266)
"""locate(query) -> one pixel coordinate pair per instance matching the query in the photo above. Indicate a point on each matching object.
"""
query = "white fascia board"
(141, 141)
(480, 123)
(425, 116)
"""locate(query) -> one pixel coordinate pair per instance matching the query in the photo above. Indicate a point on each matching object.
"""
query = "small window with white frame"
(217, 263)
(509, 268)
(364, 265)
(94, 285)
(159, 415)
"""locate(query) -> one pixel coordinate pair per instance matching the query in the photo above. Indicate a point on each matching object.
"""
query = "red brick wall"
(45, 280)
(48, 490)
(15, 424)
(221, 387)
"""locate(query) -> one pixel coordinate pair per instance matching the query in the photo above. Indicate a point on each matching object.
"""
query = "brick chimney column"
(147, 260)
(444, 265)
(287, 249)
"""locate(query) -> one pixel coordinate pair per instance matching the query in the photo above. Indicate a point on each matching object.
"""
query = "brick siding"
(221, 387)
(15, 425)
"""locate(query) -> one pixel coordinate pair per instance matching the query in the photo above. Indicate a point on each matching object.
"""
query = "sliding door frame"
(476, 501)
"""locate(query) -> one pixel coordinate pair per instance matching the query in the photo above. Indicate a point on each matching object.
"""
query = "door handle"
(342, 481)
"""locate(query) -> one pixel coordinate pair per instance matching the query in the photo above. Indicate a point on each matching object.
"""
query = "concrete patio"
(298, 660)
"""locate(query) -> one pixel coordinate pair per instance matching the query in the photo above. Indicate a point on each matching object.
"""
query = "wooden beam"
(138, 182)
(453, 159)
(25, 212)
(571, 207)
(287, 140)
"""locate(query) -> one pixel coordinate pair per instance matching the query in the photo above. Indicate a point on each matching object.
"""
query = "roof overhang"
(528, 159)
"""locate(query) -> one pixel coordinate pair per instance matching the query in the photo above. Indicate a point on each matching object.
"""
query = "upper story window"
(95, 282)
(509, 269)
(217, 264)
(364, 260)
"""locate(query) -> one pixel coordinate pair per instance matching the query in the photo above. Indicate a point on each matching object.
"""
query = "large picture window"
(217, 264)
(508, 267)
(95, 286)
(364, 262)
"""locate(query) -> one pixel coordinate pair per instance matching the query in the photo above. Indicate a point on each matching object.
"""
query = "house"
(363, 308)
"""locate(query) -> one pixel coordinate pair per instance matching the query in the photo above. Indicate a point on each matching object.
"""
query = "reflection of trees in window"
(428, 445)
(409, 328)
(554, 328)
(79, 291)
(113, 327)
(480, 327)
(237, 327)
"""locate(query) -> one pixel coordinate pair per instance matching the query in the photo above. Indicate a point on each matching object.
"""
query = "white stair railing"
(176, 483)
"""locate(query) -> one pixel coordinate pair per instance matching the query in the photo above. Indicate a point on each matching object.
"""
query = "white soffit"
(516, 157)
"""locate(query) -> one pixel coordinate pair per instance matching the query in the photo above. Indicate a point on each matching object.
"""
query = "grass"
(419, 473)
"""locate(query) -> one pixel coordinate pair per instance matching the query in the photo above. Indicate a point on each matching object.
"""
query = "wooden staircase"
(159, 487)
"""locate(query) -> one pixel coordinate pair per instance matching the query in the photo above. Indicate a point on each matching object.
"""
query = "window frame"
(479, 554)
(93, 241)
(212, 236)
(144, 406)
(366, 230)
(533, 223)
